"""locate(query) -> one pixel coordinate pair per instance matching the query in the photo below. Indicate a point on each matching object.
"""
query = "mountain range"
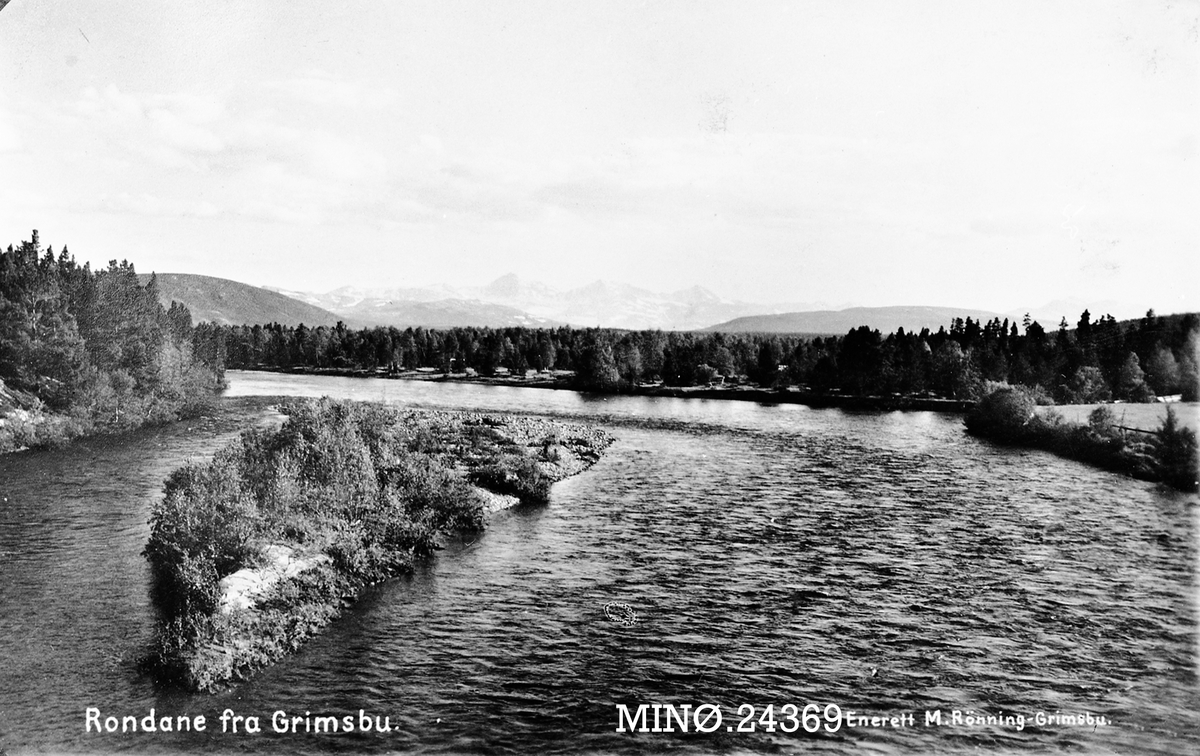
(512, 301)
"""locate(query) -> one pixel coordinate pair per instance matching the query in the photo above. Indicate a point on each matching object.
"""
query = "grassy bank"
(1167, 454)
(262, 547)
(27, 423)
(24, 422)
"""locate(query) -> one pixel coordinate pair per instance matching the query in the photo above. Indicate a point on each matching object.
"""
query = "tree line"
(1095, 361)
(86, 350)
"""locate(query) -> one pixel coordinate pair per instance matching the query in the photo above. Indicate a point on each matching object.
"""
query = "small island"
(257, 550)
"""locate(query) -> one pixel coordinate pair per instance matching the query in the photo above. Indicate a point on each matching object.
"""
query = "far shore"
(561, 381)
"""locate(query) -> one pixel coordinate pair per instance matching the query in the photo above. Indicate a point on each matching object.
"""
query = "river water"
(882, 563)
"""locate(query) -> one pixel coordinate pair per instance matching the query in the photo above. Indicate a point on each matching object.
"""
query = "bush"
(17, 433)
(1176, 452)
(1005, 413)
(1087, 386)
(1102, 421)
(551, 451)
(204, 514)
(1041, 397)
(518, 476)
(193, 587)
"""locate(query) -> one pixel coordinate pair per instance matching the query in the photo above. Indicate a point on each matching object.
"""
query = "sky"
(992, 155)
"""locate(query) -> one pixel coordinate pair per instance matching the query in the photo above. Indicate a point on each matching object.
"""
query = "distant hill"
(231, 303)
(840, 322)
(1049, 314)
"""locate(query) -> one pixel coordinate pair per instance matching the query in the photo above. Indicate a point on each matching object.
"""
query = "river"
(883, 563)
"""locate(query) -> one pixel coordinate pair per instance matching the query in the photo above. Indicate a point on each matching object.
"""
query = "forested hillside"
(84, 351)
(1095, 361)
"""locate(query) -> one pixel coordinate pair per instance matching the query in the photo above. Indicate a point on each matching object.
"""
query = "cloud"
(151, 205)
(110, 103)
(175, 130)
(293, 163)
(285, 160)
(184, 130)
(10, 138)
(276, 191)
(259, 163)
(1008, 225)
(326, 90)
(595, 194)
(259, 138)
(182, 133)
(740, 178)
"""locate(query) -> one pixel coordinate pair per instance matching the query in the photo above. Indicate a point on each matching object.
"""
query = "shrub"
(1101, 421)
(204, 514)
(1087, 386)
(515, 475)
(1004, 413)
(349, 552)
(194, 587)
(1176, 453)
(17, 433)
(551, 452)
(1041, 397)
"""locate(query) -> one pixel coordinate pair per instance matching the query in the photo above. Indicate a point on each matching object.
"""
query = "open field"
(1140, 416)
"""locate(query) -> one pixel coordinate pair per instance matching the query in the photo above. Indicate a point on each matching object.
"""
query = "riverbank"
(1167, 454)
(27, 423)
(261, 548)
(562, 380)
